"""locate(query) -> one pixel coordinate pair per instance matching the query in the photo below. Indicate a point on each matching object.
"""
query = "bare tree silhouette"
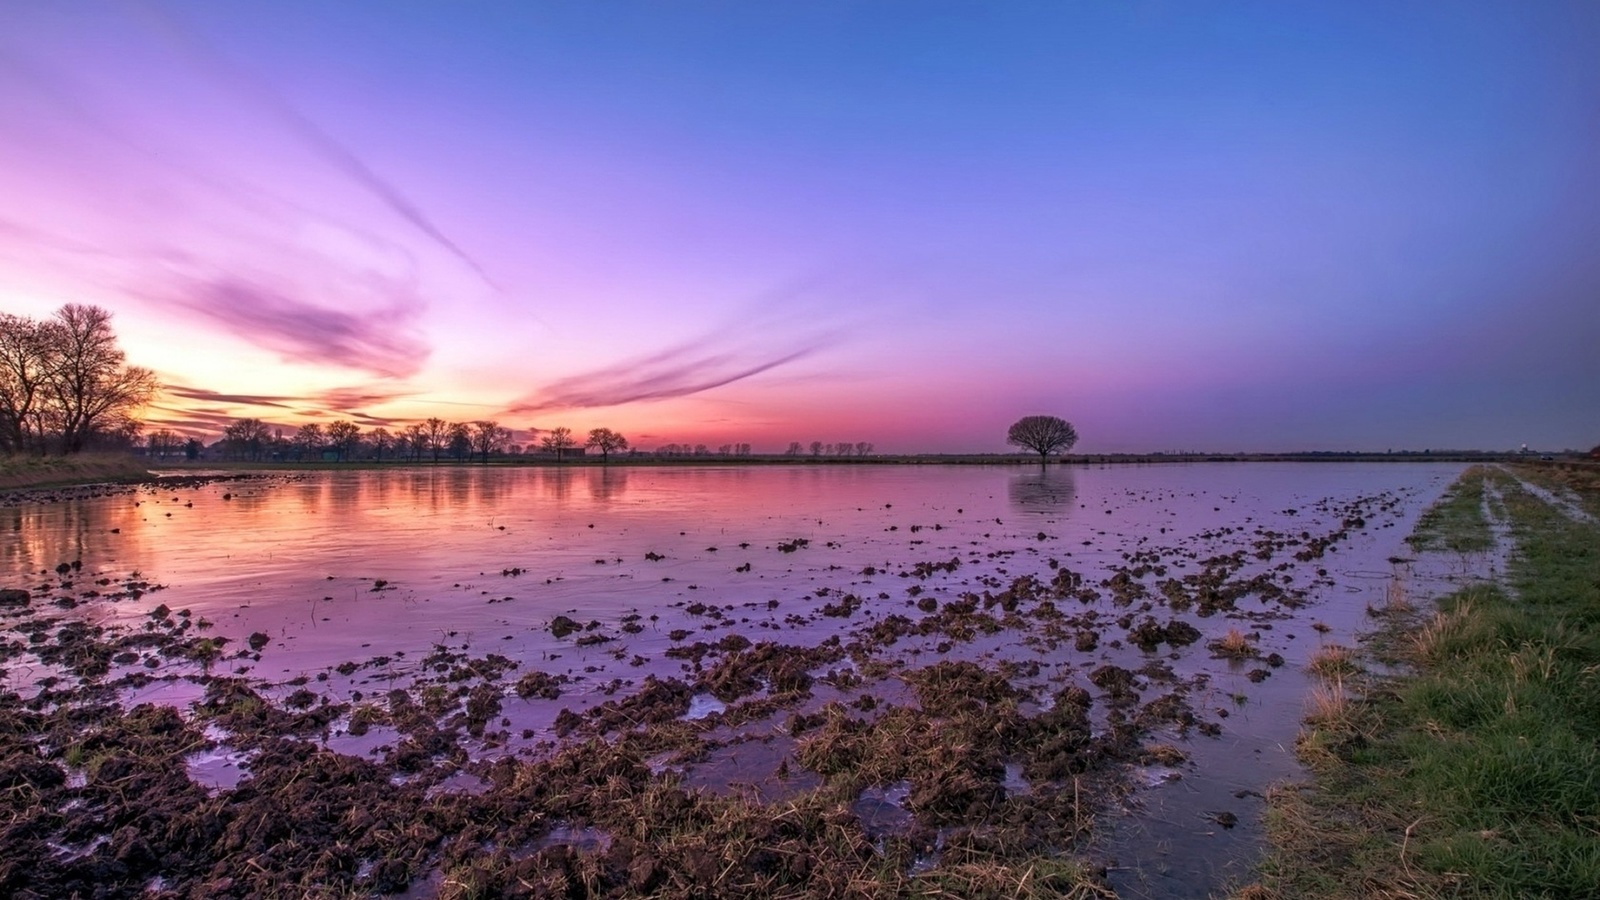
(343, 435)
(309, 439)
(558, 440)
(1043, 435)
(605, 440)
(64, 381)
(488, 437)
(436, 433)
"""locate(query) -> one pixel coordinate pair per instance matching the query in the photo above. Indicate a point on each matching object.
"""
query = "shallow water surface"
(381, 568)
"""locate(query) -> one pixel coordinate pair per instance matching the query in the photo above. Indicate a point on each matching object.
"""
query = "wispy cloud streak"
(779, 330)
(205, 396)
(370, 340)
(285, 274)
(208, 412)
(313, 136)
(679, 372)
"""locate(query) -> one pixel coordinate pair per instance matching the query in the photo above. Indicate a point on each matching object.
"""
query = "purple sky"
(1182, 226)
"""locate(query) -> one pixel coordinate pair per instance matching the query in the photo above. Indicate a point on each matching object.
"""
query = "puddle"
(882, 810)
(1014, 782)
(588, 840)
(458, 783)
(702, 705)
(221, 767)
(762, 770)
(376, 738)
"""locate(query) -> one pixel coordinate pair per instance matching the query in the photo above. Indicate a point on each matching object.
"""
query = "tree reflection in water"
(1045, 491)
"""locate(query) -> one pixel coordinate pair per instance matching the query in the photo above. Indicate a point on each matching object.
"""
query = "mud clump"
(956, 687)
(483, 704)
(234, 704)
(1147, 635)
(540, 685)
(1057, 740)
(658, 700)
(1117, 682)
(781, 669)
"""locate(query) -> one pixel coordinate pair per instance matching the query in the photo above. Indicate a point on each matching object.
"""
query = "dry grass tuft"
(1396, 599)
(1330, 706)
(1235, 644)
(1333, 661)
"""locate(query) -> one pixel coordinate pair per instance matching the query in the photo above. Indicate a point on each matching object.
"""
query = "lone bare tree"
(605, 440)
(1043, 435)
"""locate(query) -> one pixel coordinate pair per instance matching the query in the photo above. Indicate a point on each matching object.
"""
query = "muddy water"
(383, 568)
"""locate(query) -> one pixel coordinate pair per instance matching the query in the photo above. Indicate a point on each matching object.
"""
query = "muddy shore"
(870, 741)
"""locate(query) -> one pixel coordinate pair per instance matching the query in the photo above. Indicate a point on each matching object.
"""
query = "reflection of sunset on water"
(599, 579)
(298, 555)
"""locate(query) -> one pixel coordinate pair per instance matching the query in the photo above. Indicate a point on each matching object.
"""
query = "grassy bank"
(53, 471)
(1475, 772)
(1457, 522)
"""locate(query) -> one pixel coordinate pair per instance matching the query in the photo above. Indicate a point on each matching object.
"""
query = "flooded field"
(934, 669)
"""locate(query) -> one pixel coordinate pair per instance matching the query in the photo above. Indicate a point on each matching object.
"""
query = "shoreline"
(26, 473)
(19, 473)
(1454, 753)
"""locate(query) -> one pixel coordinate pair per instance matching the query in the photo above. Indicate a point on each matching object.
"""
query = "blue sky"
(1182, 226)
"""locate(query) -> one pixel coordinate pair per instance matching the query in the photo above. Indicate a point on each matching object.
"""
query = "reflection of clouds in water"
(1052, 490)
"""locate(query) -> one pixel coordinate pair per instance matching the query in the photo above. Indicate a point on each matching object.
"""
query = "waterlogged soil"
(674, 682)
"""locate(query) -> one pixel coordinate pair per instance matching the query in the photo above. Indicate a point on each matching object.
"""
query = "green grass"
(1457, 522)
(1477, 772)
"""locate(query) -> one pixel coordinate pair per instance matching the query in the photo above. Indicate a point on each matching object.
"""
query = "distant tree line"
(431, 440)
(841, 448)
(703, 450)
(164, 443)
(65, 385)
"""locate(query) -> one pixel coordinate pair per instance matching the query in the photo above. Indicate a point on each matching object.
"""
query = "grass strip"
(1578, 481)
(1476, 772)
(1457, 521)
(18, 472)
